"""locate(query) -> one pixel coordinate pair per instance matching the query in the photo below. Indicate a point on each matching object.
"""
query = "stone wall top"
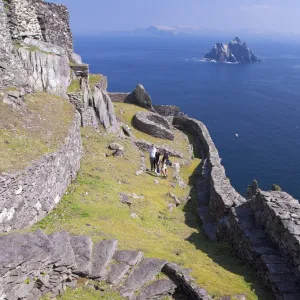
(222, 195)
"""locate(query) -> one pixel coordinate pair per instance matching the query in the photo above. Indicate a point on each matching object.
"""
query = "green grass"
(25, 134)
(94, 79)
(74, 87)
(91, 206)
(86, 290)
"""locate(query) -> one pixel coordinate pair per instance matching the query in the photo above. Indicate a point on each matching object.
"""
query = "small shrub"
(276, 188)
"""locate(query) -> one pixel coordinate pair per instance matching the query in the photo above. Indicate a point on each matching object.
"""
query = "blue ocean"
(259, 102)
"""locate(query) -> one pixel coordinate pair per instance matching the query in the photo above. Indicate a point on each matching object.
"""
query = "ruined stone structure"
(28, 196)
(35, 264)
(153, 124)
(40, 20)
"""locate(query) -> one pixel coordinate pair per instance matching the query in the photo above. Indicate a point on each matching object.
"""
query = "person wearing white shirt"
(152, 153)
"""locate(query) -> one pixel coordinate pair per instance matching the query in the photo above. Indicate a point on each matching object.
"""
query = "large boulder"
(153, 124)
(140, 97)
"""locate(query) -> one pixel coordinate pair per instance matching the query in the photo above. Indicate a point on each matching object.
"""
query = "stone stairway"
(204, 212)
(34, 264)
(254, 247)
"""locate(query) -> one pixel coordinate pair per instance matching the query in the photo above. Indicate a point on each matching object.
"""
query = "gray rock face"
(146, 271)
(235, 51)
(102, 255)
(105, 110)
(131, 258)
(45, 72)
(117, 272)
(140, 97)
(76, 58)
(153, 124)
(82, 247)
(157, 289)
(29, 195)
(46, 47)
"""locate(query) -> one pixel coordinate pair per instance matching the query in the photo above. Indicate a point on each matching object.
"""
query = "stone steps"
(204, 212)
(253, 245)
(34, 264)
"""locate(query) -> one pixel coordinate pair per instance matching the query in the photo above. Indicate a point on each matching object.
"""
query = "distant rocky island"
(234, 52)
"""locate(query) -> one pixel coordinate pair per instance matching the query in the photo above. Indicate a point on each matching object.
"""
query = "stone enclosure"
(153, 124)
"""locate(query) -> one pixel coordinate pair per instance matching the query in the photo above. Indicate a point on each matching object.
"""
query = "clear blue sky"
(94, 16)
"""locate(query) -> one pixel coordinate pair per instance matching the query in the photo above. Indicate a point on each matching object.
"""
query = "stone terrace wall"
(29, 195)
(221, 193)
(279, 214)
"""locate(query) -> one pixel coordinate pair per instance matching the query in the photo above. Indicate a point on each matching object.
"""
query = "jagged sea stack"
(234, 52)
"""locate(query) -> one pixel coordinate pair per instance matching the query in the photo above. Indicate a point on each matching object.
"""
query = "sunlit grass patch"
(26, 134)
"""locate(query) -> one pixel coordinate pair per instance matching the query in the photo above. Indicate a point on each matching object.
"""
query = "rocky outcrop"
(140, 97)
(34, 264)
(104, 110)
(233, 52)
(153, 124)
(28, 196)
(46, 72)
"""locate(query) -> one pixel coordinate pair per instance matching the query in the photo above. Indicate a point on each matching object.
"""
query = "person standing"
(157, 157)
(152, 154)
(164, 164)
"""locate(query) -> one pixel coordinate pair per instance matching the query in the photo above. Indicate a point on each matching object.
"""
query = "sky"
(96, 16)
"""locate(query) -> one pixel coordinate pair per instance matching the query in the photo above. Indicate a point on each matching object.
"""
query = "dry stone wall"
(29, 195)
(222, 196)
(40, 20)
(11, 71)
(279, 214)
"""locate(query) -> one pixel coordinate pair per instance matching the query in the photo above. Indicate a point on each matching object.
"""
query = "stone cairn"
(36, 264)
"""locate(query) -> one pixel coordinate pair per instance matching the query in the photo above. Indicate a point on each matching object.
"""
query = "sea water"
(252, 111)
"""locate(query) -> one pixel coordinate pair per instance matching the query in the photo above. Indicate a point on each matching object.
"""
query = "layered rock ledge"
(35, 264)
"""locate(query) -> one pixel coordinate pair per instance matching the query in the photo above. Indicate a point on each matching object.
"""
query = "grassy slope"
(92, 206)
(26, 135)
(94, 79)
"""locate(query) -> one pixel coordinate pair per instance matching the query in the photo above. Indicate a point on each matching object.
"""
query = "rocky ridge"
(234, 52)
(36, 264)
